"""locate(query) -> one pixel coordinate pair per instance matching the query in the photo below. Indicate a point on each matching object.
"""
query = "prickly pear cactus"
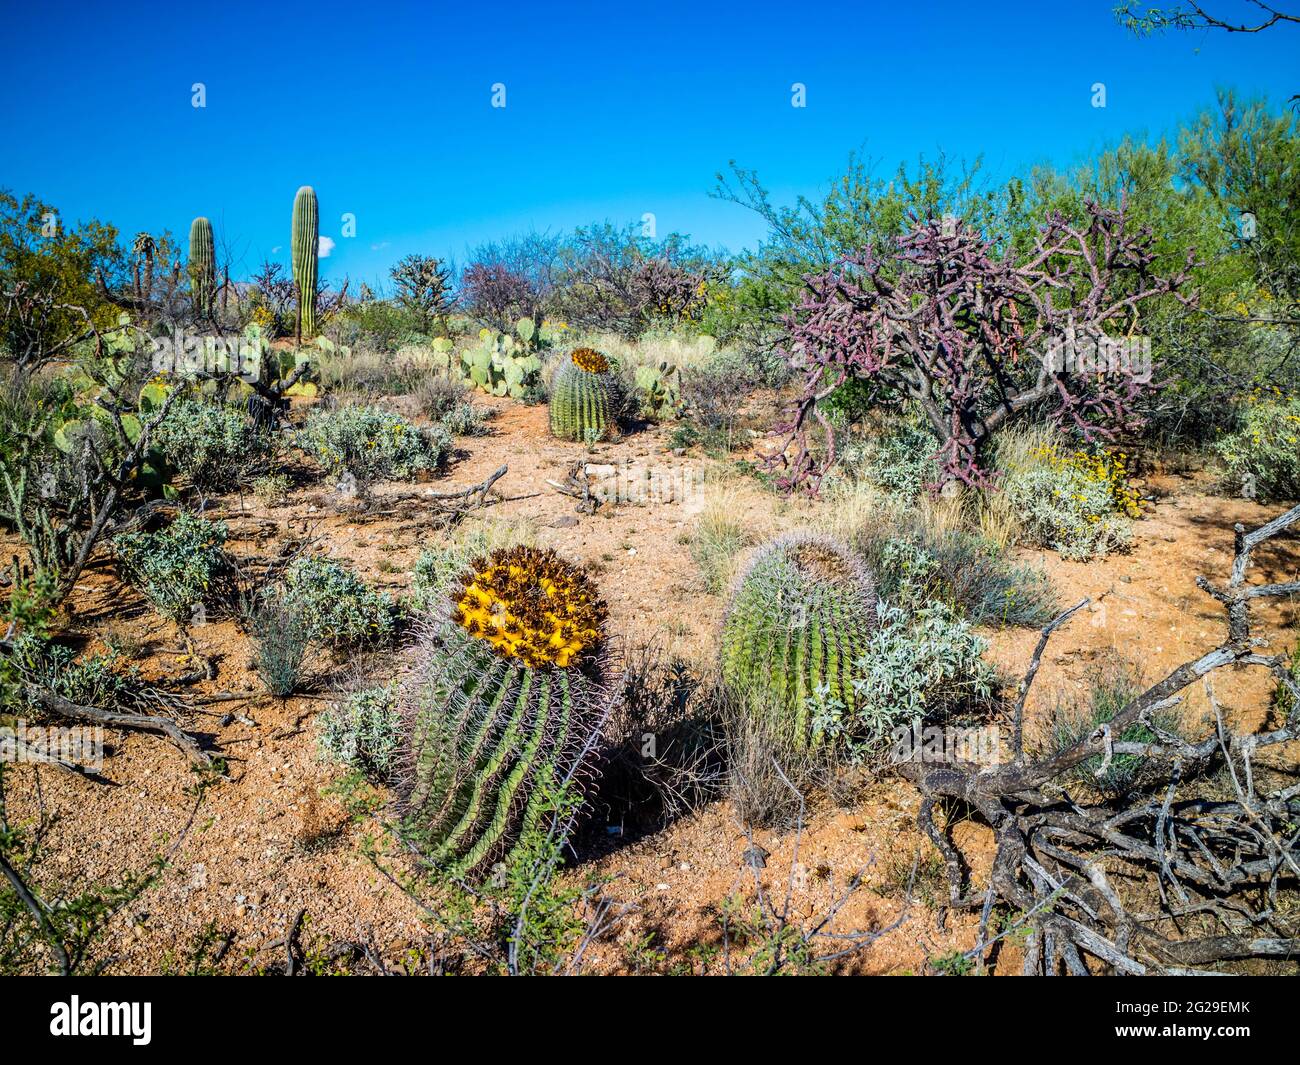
(582, 397)
(499, 365)
(306, 262)
(505, 702)
(203, 267)
(658, 390)
(799, 621)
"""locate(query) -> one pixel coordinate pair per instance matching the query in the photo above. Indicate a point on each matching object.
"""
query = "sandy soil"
(266, 843)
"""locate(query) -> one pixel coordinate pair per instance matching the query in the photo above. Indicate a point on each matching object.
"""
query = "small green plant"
(280, 639)
(1075, 503)
(212, 445)
(364, 732)
(1264, 455)
(1112, 687)
(372, 443)
(968, 572)
(900, 462)
(177, 568)
(272, 487)
(467, 419)
(336, 606)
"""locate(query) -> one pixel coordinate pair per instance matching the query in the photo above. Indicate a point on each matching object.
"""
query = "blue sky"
(612, 110)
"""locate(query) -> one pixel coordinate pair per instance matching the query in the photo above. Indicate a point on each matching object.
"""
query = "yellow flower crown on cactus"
(590, 359)
(531, 605)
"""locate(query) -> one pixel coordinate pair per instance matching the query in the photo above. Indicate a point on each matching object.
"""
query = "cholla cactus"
(507, 700)
(799, 621)
(203, 267)
(582, 397)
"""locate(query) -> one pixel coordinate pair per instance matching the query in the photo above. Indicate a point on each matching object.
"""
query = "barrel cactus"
(203, 267)
(582, 397)
(306, 264)
(502, 706)
(798, 624)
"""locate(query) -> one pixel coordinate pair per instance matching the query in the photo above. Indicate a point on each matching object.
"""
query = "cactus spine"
(582, 397)
(203, 267)
(503, 707)
(306, 248)
(798, 624)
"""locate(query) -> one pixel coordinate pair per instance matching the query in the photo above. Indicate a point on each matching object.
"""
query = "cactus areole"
(306, 264)
(504, 704)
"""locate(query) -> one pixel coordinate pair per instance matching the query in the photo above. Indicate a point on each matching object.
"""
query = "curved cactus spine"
(799, 622)
(582, 397)
(306, 264)
(203, 267)
(503, 708)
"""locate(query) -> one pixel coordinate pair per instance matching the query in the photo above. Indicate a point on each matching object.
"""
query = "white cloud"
(325, 246)
(380, 246)
(275, 250)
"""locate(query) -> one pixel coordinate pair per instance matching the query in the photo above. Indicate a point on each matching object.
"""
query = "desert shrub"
(177, 568)
(713, 395)
(963, 569)
(437, 394)
(1111, 688)
(1264, 454)
(364, 732)
(371, 443)
(280, 636)
(1077, 503)
(1283, 700)
(922, 662)
(272, 487)
(467, 419)
(211, 444)
(716, 541)
(337, 607)
(93, 680)
(900, 462)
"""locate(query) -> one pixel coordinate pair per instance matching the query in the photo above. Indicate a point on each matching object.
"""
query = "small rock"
(567, 521)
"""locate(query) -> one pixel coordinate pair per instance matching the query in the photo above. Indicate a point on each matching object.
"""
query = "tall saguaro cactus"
(306, 248)
(203, 266)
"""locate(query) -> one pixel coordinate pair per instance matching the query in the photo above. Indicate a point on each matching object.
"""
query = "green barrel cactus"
(502, 707)
(203, 267)
(582, 397)
(306, 262)
(800, 618)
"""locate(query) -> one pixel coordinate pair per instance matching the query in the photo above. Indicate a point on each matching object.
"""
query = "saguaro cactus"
(306, 249)
(582, 397)
(203, 267)
(799, 622)
(502, 707)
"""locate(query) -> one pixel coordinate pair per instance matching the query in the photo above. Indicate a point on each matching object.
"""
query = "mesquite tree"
(976, 338)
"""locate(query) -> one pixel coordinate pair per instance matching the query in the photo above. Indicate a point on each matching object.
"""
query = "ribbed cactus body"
(306, 263)
(799, 622)
(582, 398)
(203, 267)
(503, 705)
